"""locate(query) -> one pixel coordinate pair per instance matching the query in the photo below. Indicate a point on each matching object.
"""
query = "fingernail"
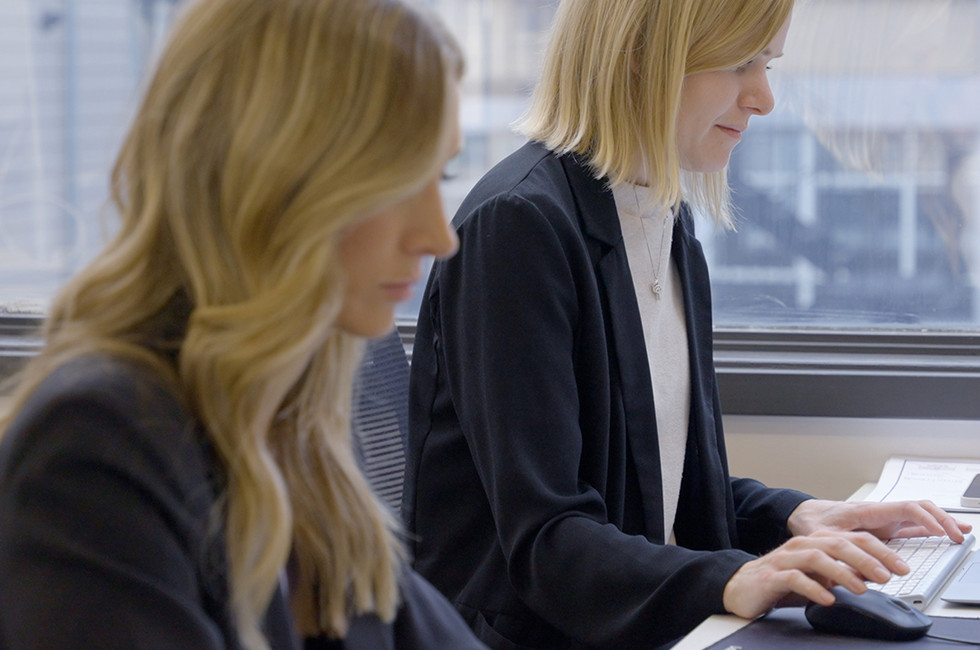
(882, 574)
(903, 567)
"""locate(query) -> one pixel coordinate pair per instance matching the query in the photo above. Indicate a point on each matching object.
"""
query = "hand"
(804, 568)
(884, 520)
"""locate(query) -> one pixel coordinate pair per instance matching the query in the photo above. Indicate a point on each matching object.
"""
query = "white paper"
(911, 479)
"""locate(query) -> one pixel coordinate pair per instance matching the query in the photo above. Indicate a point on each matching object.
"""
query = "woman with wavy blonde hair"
(566, 456)
(185, 432)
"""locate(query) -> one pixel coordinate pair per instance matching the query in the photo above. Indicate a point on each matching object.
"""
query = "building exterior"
(857, 198)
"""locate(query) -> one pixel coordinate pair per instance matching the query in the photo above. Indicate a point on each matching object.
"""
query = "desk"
(717, 627)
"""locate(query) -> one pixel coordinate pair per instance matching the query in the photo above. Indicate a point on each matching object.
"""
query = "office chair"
(380, 416)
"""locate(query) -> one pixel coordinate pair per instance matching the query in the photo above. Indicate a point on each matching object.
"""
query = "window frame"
(849, 373)
(787, 372)
(841, 373)
(20, 339)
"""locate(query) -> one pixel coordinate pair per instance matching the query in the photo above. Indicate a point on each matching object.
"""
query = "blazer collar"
(596, 204)
(599, 222)
(594, 200)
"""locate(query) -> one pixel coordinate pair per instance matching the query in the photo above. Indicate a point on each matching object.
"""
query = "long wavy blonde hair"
(268, 127)
(611, 83)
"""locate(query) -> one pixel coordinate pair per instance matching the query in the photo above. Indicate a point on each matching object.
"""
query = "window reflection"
(857, 198)
(863, 181)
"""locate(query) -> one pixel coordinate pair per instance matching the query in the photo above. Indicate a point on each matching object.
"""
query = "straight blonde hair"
(611, 84)
(268, 127)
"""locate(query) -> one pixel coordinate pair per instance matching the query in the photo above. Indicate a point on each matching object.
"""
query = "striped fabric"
(380, 417)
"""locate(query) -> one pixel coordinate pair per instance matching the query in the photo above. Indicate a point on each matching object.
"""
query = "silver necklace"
(655, 286)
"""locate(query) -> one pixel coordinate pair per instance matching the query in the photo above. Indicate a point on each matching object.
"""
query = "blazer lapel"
(706, 511)
(599, 222)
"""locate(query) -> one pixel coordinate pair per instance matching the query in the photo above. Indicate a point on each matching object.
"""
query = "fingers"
(849, 559)
(885, 520)
(919, 518)
(948, 525)
(871, 559)
(806, 566)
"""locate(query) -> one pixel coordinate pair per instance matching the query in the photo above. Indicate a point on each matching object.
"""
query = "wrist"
(801, 520)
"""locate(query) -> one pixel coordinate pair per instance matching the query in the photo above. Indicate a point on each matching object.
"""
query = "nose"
(432, 234)
(757, 95)
(444, 242)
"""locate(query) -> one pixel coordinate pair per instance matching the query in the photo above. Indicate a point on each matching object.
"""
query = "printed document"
(941, 481)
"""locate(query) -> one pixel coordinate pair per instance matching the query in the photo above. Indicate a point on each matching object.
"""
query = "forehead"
(775, 47)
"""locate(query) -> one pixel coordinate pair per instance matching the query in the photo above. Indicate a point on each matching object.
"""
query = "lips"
(735, 132)
(400, 290)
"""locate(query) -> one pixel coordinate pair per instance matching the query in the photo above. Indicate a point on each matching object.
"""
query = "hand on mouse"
(884, 520)
(872, 615)
(805, 567)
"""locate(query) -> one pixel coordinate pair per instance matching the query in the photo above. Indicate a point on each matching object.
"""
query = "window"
(69, 72)
(850, 288)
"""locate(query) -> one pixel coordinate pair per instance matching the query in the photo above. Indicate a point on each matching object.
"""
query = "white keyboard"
(932, 560)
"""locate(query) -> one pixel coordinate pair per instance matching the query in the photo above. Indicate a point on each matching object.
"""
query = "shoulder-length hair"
(267, 128)
(611, 84)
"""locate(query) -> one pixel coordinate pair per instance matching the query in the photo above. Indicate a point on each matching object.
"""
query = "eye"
(748, 64)
(452, 169)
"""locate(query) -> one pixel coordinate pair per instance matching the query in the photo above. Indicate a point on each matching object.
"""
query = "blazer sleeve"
(761, 513)
(511, 307)
(104, 517)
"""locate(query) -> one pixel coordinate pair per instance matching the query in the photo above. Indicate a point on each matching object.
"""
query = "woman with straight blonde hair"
(568, 484)
(185, 433)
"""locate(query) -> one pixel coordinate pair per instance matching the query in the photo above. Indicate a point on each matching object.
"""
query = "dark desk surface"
(788, 628)
(717, 628)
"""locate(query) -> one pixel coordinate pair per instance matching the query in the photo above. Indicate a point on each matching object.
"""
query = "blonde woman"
(185, 431)
(568, 485)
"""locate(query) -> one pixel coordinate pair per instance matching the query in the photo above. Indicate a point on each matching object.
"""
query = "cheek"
(358, 254)
(691, 133)
(365, 255)
(363, 311)
(351, 257)
(693, 119)
(361, 245)
(706, 98)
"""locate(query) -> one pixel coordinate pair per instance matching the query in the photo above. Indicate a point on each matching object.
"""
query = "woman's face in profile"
(382, 254)
(716, 107)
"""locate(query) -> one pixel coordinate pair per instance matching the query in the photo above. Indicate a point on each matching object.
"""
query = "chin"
(707, 166)
(381, 331)
(368, 328)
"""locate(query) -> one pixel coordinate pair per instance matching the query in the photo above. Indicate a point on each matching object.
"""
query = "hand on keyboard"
(884, 520)
(834, 543)
(931, 560)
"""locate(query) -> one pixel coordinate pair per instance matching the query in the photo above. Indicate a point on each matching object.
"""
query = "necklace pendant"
(656, 289)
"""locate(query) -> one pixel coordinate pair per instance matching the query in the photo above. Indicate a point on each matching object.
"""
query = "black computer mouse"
(872, 615)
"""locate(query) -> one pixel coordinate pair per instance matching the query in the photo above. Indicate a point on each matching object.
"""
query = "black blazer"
(533, 488)
(107, 536)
